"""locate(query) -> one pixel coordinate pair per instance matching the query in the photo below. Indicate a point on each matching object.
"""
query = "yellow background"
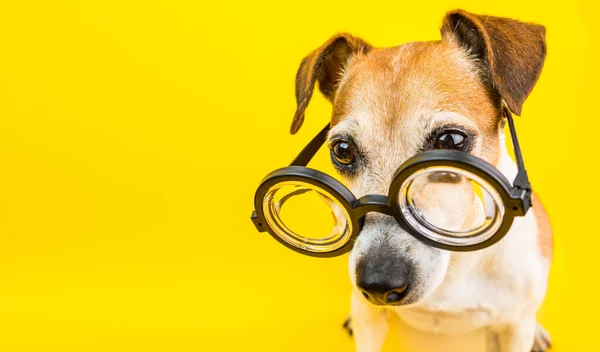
(133, 135)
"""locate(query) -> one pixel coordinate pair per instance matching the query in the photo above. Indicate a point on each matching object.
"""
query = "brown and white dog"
(388, 105)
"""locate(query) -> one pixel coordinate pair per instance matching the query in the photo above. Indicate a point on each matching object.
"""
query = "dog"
(387, 103)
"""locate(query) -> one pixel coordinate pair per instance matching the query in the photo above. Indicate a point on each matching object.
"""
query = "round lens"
(307, 217)
(451, 206)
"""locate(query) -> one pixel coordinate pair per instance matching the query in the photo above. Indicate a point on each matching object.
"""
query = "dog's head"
(391, 103)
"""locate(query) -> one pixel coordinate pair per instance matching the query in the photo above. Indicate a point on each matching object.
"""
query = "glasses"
(445, 198)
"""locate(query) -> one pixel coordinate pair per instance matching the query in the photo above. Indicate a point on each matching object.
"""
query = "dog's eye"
(342, 153)
(451, 140)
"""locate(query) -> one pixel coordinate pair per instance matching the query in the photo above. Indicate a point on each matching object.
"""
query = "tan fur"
(431, 76)
(545, 237)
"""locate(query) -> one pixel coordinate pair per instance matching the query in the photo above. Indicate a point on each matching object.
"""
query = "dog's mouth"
(393, 298)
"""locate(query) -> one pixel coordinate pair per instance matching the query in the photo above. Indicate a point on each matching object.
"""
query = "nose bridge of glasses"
(372, 203)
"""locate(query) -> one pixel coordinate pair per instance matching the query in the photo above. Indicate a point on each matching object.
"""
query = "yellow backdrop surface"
(133, 135)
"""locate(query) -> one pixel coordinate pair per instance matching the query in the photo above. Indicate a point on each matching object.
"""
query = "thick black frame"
(516, 198)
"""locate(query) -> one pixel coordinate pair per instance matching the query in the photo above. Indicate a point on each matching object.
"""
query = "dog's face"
(392, 103)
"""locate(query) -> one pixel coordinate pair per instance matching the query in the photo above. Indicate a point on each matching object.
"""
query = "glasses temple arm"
(521, 191)
(521, 180)
(301, 160)
(311, 148)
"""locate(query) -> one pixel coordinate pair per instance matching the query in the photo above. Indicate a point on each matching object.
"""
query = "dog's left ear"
(324, 65)
(512, 52)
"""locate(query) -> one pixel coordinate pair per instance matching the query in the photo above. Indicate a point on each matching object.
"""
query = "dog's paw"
(542, 342)
(348, 326)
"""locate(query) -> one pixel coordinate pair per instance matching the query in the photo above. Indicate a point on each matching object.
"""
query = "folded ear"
(511, 52)
(325, 65)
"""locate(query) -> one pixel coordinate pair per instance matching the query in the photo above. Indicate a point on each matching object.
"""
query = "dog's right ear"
(512, 51)
(325, 65)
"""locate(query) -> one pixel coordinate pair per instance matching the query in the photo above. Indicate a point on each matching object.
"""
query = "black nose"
(383, 281)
